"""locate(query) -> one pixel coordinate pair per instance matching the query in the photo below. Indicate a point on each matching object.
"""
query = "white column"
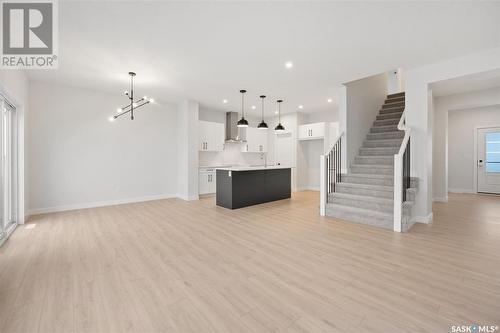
(187, 149)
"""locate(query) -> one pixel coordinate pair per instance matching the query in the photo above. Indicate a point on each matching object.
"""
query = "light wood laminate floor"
(175, 266)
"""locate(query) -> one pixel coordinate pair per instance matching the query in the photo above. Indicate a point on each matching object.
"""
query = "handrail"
(399, 186)
(337, 138)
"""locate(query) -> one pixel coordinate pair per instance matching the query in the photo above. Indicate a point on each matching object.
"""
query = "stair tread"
(362, 197)
(368, 186)
(376, 148)
(374, 156)
(381, 166)
(369, 175)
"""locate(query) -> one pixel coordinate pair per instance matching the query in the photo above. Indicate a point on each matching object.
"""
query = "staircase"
(366, 193)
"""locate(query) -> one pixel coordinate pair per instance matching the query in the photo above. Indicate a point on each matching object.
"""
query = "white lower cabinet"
(206, 181)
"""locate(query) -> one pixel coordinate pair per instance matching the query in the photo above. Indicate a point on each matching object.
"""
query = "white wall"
(14, 85)
(443, 107)
(419, 116)
(461, 131)
(80, 159)
(363, 100)
(187, 150)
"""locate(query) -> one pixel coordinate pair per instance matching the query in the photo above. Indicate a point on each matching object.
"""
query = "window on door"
(493, 152)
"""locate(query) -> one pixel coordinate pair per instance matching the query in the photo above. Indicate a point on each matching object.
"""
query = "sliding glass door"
(8, 191)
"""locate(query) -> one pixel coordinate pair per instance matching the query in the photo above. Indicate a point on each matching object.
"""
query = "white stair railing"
(401, 173)
(330, 172)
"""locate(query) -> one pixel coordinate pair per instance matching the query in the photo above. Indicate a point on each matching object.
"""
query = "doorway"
(488, 160)
(8, 169)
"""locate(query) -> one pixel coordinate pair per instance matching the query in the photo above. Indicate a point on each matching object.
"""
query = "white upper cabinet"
(256, 141)
(211, 136)
(312, 131)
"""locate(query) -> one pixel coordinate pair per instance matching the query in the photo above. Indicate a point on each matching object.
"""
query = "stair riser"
(386, 122)
(387, 135)
(371, 170)
(366, 180)
(380, 144)
(361, 191)
(384, 129)
(376, 206)
(386, 208)
(386, 223)
(395, 95)
(386, 160)
(385, 181)
(378, 151)
(393, 105)
(410, 196)
(395, 115)
(391, 110)
(394, 99)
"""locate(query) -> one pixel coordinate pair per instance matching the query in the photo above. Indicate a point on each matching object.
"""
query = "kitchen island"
(239, 187)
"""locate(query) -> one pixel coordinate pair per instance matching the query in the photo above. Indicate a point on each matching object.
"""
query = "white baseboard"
(98, 204)
(189, 197)
(307, 188)
(461, 190)
(441, 199)
(424, 219)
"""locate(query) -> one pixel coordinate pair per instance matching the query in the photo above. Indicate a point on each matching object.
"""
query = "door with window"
(488, 160)
(8, 179)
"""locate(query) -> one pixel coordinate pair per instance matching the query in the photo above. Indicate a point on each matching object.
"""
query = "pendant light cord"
(262, 107)
(279, 112)
(242, 105)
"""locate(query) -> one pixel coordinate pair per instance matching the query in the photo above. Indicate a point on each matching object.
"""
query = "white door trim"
(21, 112)
(476, 129)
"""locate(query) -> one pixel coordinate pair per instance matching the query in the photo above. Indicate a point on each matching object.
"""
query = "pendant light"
(279, 127)
(262, 124)
(242, 122)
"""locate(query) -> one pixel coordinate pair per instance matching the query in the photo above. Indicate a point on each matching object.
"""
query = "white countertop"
(250, 168)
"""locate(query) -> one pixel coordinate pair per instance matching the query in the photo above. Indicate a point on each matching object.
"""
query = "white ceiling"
(466, 84)
(209, 50)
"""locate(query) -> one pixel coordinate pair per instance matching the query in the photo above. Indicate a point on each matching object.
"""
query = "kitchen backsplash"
(232, 155)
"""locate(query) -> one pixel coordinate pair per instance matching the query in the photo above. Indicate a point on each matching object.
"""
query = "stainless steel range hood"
(234, 134)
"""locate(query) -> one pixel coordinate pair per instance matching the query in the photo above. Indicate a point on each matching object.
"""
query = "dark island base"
(237, 189)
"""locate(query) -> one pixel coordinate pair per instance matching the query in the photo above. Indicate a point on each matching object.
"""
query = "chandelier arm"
(140, 100)
(128, 111)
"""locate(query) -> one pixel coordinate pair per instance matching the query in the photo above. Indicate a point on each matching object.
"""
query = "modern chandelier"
(133, 105)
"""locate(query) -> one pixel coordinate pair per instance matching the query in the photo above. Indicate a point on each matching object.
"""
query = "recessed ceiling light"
(253, 107)
(301, 106)
(276, 112)
(329, 100)
(224, 101)
(288, 64)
